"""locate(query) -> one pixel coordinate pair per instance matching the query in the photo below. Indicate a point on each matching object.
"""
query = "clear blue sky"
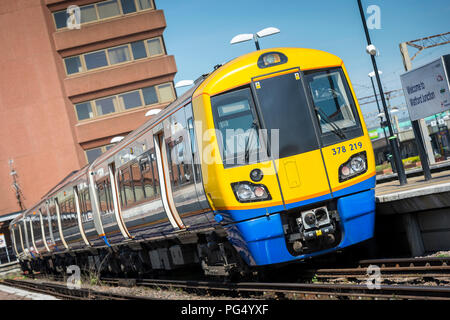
(198, 33)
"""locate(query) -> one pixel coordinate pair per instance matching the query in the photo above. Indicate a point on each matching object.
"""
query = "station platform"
(10, 293)
(415, 216)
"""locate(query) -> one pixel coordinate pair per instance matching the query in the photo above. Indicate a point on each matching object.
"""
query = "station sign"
(2, 241)
(427, 88)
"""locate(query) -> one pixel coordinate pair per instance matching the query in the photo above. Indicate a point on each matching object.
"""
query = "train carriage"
(265, 160)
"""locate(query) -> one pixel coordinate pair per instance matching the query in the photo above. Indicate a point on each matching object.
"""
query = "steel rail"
(409, 261)
(317, 290)
(64, 292)
(433, 267)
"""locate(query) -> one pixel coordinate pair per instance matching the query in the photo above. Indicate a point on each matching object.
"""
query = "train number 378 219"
(343, 149)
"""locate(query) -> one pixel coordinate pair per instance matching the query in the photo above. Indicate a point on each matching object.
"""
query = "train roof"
(184, 98)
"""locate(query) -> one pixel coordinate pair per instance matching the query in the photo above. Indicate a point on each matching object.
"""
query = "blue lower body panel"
(261, 241)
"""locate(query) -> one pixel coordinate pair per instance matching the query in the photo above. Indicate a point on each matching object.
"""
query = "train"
(264, 161)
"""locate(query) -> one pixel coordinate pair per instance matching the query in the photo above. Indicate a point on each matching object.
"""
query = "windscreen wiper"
(254, 126)
(334, 128)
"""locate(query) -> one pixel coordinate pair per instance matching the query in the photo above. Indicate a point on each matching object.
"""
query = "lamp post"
(254, 36)
(392, 138)
(117, 139)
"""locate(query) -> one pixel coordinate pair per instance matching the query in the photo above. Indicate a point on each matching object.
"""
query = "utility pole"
(420, 129)
(392, 138)
(16, 187)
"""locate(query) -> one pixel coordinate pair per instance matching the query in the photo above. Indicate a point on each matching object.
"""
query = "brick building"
(66, 92)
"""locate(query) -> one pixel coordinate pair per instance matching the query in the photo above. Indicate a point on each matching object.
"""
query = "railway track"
(63, 292)
(422, 268)
(300, 290)
(404, 268)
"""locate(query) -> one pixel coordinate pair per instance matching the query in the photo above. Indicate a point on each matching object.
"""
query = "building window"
(147, 96)
(84, 111)
(94, 153)
(88, 14)
(111, 56)
(131, 99)
(95, 60)
(139, 50)
(103, 10)
(108, 9)
(150, 96)
(154, 47)
(105, 106)
(73, 65)
(119, 54)
(128, 6)
(145, 4)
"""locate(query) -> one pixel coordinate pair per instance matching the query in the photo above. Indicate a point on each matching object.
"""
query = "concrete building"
(65, 92)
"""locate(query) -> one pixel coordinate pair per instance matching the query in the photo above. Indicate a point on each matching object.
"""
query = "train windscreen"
(333, 105)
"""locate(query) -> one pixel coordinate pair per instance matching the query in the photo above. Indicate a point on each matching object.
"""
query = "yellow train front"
(287, 163)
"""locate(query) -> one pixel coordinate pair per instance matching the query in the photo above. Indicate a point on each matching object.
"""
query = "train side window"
(102, 197)
(147, 176)
(87, 199)
(109, 199)
(154, 167)
(121, 189)
(180, 163)
(128, 186)
(191, 129)
(138, 185)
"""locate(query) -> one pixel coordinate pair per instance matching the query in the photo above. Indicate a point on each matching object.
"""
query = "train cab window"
(333, 104)
(236, 121)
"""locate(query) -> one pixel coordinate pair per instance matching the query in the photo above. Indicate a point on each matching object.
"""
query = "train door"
(52, 228)
(113, 174)
(19, 227)
(44, 227)
(79, 213)
(281, 100)
(58, 220)
(33, 248)
(195, 158)
(165, 185)
(27, 237)
(180, 169)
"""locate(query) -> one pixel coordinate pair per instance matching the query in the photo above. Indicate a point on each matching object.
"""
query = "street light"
(152, 112)
(249, 36)
(184, 83)
(371, 50)
(117, 139)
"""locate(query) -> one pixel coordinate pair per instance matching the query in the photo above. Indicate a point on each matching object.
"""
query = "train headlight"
(355, 166)
(358, 164)
(248, 192)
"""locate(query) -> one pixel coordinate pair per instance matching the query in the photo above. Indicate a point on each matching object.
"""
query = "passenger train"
(264, 161)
